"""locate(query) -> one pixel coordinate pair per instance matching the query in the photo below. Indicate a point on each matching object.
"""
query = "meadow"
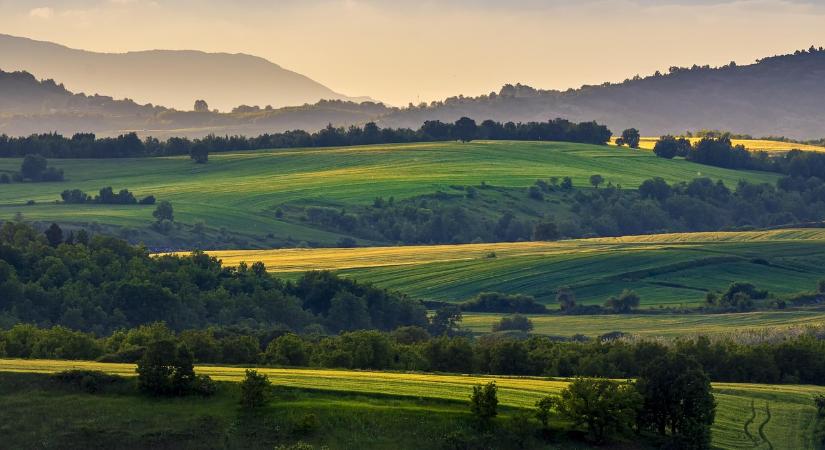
(240, 192)
(665, 269)
(756, 145)
(748, 415)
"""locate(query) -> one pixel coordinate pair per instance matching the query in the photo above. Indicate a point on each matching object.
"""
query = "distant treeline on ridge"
(87, 145)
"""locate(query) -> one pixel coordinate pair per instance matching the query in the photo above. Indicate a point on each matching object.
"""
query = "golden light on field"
(755, 145)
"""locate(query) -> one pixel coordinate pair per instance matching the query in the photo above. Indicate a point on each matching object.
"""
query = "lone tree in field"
(254, 389)
(678, 402)
(167, 369)
(566, 298)
(631, 137)
(484, 401)
(164, 211)
(33, 167)
(624, 303)
(201, 106)
(596, 180)
(465, 129)
(516, 322)
(199, 153)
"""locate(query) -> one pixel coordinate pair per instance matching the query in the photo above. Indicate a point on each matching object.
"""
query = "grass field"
(748, 415)
(241, 191)
(647, 143)
(667, 269)
(759, 324)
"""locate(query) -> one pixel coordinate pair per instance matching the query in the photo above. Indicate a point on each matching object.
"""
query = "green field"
(748, 415)
(758, 324)
(667, 269)
(241, 191)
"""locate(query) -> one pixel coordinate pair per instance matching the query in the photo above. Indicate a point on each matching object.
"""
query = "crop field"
(760, 324)
(763, 145)
(241, 191)
(748, 415)
(666, 269)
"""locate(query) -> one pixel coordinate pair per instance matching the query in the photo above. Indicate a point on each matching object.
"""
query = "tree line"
(792, 360)
(87, 145)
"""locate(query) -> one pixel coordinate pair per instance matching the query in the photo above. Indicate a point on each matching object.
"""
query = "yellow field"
(748, 415)
(763, 145)
(300, 260)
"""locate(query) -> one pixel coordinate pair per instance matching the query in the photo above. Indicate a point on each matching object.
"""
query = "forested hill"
(781, 95)
(29, 105)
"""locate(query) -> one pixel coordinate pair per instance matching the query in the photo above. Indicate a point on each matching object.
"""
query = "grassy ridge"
(668, 269)
(789, 425)
(240, 191)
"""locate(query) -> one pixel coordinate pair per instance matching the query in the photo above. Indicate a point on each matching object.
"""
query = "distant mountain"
(28, 106)
(174, 78)
(781, 95)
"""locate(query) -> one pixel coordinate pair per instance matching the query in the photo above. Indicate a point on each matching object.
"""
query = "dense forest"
(87, 145)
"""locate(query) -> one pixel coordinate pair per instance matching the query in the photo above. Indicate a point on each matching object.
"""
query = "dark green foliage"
(484, 401)
(445, 320)
(604, 407)
(54, 235)
(544, 407)
(89, 381)
(677, 401)
(167, 369)
(33, 167)
(631, 137)
(596, 180)
(626, 302)
(199, 153)
(465, 129)
(163, 212)
(288, 350)
(515, 322)
(670, 147)
(504, 303)
(254, 390)
(566, 299)
(819, 402)
(545, 231)
(535, 193)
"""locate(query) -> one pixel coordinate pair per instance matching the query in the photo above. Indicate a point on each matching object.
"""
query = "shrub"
(148, 200)
(91, 381)
(306, 425)
(515, 322)
(543, 408)
(168, 370)
(254, 389)
(484, 401)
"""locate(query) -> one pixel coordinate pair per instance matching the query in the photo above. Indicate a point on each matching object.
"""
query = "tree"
(445, 320)
(624, 303)
(545, 231)
(566, 298)
(164, 211)
(254, 389)
(819, 402)
(33, 167)
(655, 188)
(54, 235)
(165, 369)
(619, 142)
(596, 180)
(465, 129)
(516, 322)
(201, 106)
(631, 137)
(820, 286)
(484, 401)
(677, 400)
(199, 153)
(543, 408)
(566, 183)
(603, 406)
(667, 147)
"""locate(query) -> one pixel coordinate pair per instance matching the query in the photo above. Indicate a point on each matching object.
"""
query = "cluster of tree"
(631, 137)
(105, 196)
(698, 205)
(86, 145)
(34, 168)
(738, 297)
(497, 302)
(793, 360)
(720, 152)
(103, 283)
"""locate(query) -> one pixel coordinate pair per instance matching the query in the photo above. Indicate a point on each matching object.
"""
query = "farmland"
(668, 269)
(240, 192)
(748, 415)
(757, 145)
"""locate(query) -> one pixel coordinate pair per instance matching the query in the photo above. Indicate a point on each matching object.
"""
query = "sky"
(404, 51)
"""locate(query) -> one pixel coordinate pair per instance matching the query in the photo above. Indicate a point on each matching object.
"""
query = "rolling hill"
(240, 193)
(780, 95)
(166, 77)
(667, 269)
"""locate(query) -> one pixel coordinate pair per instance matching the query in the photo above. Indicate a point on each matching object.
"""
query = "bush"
(543, 408)
(484, 401)
(515, 322)
(91, 381)
(254, 390)
(148, 200)
(306, 425)
(167, 370)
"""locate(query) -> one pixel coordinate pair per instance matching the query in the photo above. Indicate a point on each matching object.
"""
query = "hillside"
(778, 416)
(667, 270)
(780, 95)
(168, 77)
(237, 195)
(29, 105)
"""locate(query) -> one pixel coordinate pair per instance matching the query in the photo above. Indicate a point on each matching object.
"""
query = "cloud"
(42, 13)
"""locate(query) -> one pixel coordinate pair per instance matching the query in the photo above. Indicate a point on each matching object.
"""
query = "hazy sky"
(404, 50)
